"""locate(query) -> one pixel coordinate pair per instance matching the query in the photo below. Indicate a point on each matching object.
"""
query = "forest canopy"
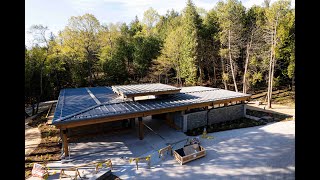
(229, 46)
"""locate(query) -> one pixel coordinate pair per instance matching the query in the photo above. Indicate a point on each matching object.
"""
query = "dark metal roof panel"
(71, 101)
(175, 100)
(75, 100)
(103, 94)
(136, 89)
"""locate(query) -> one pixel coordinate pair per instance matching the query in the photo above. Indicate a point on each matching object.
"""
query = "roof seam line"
(93, 96)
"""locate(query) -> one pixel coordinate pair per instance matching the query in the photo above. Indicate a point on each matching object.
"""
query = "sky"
(55, 13)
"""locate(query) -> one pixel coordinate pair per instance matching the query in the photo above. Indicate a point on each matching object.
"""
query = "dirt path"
(276, 108)
(32, 138)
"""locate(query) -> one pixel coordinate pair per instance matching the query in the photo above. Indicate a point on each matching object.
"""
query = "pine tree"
(191, 24)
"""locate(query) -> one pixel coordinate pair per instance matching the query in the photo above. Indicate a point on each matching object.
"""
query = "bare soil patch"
(50, 147)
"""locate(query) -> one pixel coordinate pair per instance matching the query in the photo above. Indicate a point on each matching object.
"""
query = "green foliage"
(116, 67)
(291, 69)
(191, 24)
(188, 48)
(145, 50)
(171, 53)
(276, 81)
(256, 77)
(225, 76)
(150, 17)
(82, 46)
(135, 27)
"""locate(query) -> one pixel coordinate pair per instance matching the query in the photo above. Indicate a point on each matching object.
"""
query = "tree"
(275, 16)
(135, 27)
(254, 44)
(167, 23)
(191, 24)
(150, 18)
(209, 46)
(80, 43)
(115, 67)
(145, 49)
(39, 36)
(107, 39)
(171, 54)
(231, 18)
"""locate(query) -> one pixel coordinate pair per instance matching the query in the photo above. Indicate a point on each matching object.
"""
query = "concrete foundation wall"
(223, 114)
(196, 119)
(215, 115)
(176, 117)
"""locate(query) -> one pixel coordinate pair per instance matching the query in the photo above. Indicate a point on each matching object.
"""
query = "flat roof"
(92, 105)
(134, 90)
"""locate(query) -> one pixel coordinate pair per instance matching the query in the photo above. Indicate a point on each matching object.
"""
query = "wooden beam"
(140, 128)
(117, 117)
(65, 142)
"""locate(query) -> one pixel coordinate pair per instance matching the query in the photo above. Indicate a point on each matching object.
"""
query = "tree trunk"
(272, 62)
(200, 71)
(244, 89)
(90, 75)
(214, 75)
(41, 82)
(269, 78)
(292, 83)
(200, 75)
(38, 102)
(223, 68)
(33, 110)
(231, 65)
(41, 88)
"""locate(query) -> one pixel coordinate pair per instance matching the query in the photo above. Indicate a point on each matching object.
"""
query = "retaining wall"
(215, 115)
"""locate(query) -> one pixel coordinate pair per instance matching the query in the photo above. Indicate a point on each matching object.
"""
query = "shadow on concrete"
(251, 153)
(261, 152)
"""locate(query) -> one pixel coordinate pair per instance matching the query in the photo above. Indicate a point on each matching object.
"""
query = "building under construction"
(99, 108)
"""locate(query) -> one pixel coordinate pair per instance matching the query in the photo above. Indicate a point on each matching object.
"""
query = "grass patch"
(223, 126)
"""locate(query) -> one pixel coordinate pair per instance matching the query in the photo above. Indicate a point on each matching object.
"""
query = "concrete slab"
(261, 152)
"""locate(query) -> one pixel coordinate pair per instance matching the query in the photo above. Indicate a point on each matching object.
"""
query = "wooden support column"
(244, 108)
(131, 122)
(65, 142)
(140, 128)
